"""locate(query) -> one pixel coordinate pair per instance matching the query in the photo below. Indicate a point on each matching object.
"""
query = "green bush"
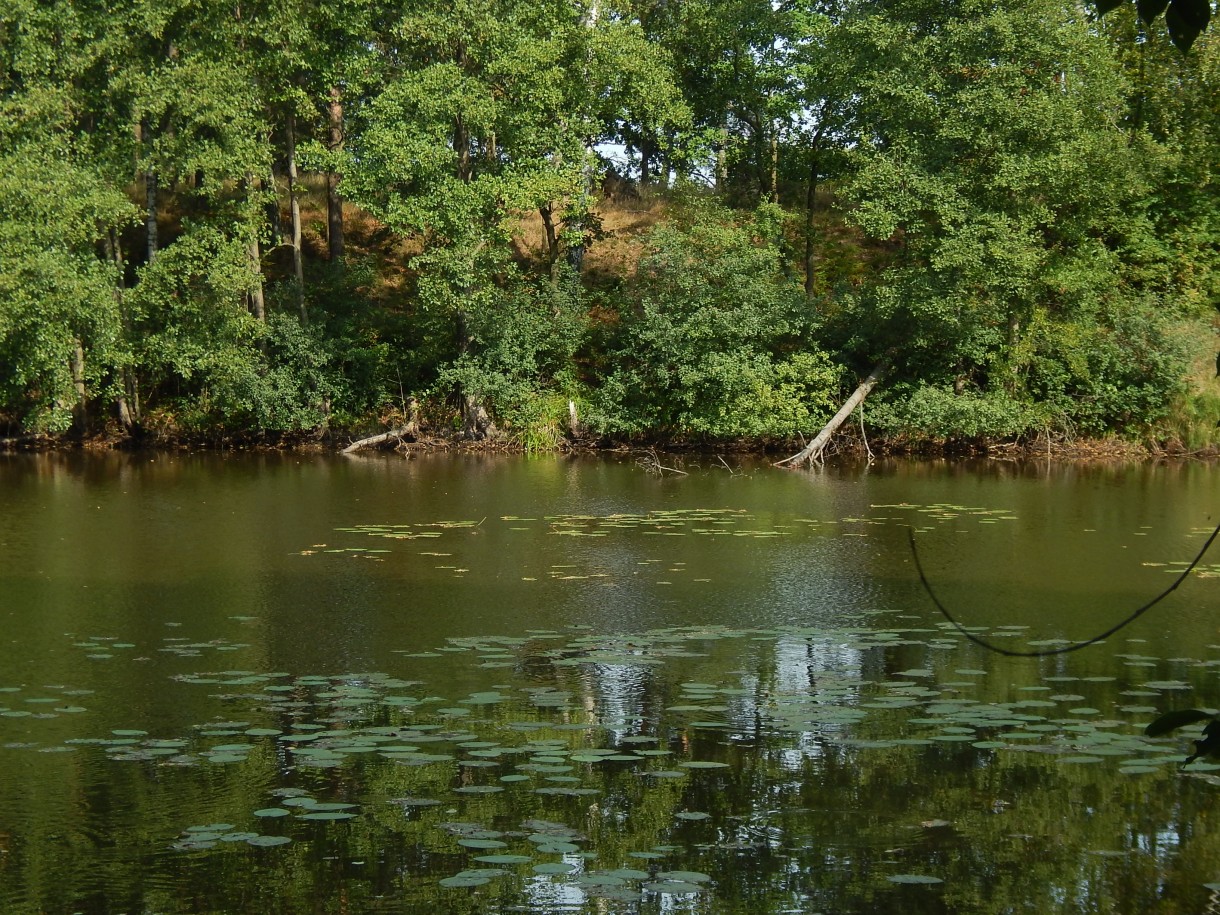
(518, 359)
(938, 413)
(1117, 370)
(712, 338)
(1194, 421)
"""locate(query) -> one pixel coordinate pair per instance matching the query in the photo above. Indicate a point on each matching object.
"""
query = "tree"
(61, 331)
(713, 338)
(493, 111)
(994, 166)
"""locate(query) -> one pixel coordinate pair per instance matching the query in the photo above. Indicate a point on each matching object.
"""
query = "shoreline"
(849, 447)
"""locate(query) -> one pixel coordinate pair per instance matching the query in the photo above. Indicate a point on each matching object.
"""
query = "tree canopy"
(669, 220)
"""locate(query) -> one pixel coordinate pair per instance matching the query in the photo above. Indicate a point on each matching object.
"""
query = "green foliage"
(55, 292)
(709, 342)
(1017, 203)
(537, 423)
(1194, 421)
(210, 367)
(518, 356)
(290, 389)
(1118, 370)
(937, 413)
(191, 327)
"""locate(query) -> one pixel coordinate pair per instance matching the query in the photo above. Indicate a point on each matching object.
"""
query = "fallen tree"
(410, 430)
(374, 440)
(815, 450)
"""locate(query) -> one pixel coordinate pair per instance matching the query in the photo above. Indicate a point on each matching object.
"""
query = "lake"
(480, 683)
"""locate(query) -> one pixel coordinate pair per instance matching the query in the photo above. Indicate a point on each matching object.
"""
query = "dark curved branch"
(1075, 646)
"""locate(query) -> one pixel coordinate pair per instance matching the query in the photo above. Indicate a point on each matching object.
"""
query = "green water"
(312, 684)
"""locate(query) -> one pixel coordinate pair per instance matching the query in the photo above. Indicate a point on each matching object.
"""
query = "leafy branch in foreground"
(1185, 19)
(1075, 646)
(1171, 721)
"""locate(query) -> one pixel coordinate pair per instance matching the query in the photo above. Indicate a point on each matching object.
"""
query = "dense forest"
(683, 221)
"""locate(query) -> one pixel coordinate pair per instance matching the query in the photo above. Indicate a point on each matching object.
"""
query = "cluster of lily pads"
(562, 740)
(543, 837)
(558, 740)
(677, 522)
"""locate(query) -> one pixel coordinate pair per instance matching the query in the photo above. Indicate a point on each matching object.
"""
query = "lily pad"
(268, 841)
(466, 880)
(482, 843)
(327, 815)
(554, 868)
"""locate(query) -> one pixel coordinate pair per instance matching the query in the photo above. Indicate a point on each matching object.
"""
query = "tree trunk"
(1012, 381)
(294, 206)
(648, 149)
(150, 212)
(80, 409)
(811, 196)
(775, 168)
(374, 440)
(127, 402)
(814, 450)
(461, 146)
(258, 303)
(552, 237)
(579, 216)
(334, 201)
(409, 430)
(576, 254)
(476, 423)
(273, 210)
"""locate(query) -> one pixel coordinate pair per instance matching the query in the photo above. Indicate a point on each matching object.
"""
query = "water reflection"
(760, 714)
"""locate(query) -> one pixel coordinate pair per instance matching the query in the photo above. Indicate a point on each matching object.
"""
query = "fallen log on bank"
(409, 429)
(815, 450)
(373, 441)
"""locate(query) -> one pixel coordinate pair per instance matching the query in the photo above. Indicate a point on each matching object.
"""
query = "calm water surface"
(489, 684)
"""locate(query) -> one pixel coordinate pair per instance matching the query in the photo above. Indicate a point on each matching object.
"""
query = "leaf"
(268, 841)
(482, 844)
(1196, 13)
(1171, 721)
(1150, 9)
(463, 880)
(1186, 19)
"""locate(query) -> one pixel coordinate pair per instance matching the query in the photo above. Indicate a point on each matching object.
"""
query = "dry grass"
(843, 256)
(625, 220)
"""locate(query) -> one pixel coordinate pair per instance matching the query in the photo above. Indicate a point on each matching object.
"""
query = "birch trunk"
(80, 410)
(334, 200)
(811, 197)
(815, 449)
(150, 213)
(127, 401)
(294, 206)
